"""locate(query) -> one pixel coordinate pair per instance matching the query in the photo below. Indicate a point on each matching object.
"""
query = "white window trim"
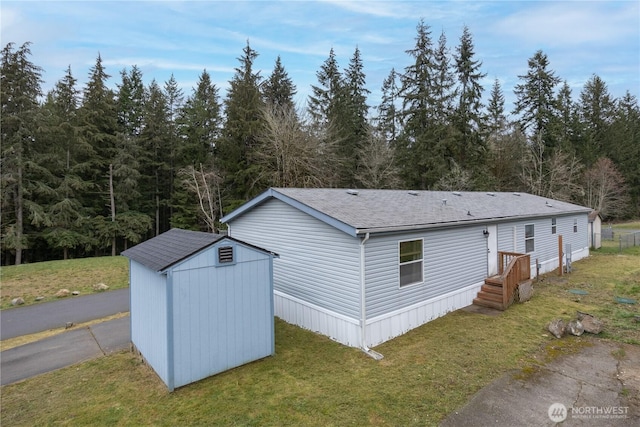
(554, 225)
(401, 286)
(533, 238)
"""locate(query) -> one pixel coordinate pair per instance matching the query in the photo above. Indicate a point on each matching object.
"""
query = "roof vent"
(413, 193)
(457, 193)
(444, 202)
(491, 194)
(353, 192)
(516, 194)
(548, 204)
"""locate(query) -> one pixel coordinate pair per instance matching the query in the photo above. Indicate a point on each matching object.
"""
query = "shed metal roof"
(362, 211)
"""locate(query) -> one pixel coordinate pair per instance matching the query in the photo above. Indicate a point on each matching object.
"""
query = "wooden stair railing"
(500, 291)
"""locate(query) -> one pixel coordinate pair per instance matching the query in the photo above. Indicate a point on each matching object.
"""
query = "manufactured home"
(364, 266)
(201, 303)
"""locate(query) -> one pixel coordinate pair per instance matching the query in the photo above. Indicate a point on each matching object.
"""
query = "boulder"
(99, 287)
(39, 298)
(557, 327)
(575, 328)
(63, 293)
(525, 291)
(591, 324)
(17, 301)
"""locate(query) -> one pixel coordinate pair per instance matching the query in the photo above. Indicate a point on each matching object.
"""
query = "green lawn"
(425, 374)
(44, 279)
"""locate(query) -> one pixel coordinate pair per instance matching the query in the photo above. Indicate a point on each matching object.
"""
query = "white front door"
(492, 250)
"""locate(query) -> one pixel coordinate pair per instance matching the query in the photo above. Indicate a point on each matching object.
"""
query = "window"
(553, 226)
(410, 262)
(225, 254)
(575, 225)
(529, 234)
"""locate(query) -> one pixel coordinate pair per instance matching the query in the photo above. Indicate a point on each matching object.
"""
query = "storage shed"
(595, 230)
(201, 303)
(364, 266)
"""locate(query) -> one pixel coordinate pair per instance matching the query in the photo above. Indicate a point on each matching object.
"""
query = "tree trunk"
(19, 214)
(113, 209)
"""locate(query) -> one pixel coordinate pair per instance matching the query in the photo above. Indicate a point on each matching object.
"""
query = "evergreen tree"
(421, 152)
(388, 125)
(596, 111)
(535, 102)
(20, 81)
(469, 120)
(243, 106)
(623, 137)
(565, 127)
(70, 158)
(199, 130)
(324, 99)
(351, 124)
(99, 126)
(174, 99)
(156, 144)
(278, 90)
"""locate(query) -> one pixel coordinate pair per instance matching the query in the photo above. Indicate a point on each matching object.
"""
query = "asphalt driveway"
(19, 321)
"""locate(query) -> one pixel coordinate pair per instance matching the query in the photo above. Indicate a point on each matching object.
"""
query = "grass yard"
(44, 279)
(425, 374)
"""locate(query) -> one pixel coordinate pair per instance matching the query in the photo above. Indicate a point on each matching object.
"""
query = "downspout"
(363, 305)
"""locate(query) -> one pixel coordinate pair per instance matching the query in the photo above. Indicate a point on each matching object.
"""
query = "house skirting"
(548, 266)
(346, 330)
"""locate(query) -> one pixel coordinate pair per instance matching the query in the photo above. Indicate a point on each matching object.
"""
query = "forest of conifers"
(91, 170)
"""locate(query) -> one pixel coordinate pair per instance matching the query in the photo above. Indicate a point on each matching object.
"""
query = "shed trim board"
(192, 317)
(338, 269)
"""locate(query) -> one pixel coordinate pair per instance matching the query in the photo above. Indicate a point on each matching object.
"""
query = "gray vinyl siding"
(453, 259)
(317, 263)
(546, 243)
(149, 316)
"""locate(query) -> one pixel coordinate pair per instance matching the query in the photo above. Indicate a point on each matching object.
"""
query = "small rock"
(557, 327)
(17, 301)
(591, 324)
(68, 325)
(525, 291)
(39, 298)
(575, 328)
(63, 293)
(100, 287)
(75, 293)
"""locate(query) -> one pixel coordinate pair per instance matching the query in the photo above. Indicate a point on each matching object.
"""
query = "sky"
(580, 38)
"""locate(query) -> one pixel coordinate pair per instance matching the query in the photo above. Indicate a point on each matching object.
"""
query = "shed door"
(492, 250)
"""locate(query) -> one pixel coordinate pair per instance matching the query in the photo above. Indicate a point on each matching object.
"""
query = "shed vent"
(353, 192)
(225, 254)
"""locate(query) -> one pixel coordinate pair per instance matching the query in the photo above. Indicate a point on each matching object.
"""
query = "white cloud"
(572, 23)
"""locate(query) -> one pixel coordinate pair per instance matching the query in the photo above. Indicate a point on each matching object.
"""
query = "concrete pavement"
(19, 321)
(599, 386)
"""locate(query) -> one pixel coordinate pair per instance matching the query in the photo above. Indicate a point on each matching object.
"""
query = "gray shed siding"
(222, 315)
(149, 316)
(317, 263)
(445, 251)
(545, 242)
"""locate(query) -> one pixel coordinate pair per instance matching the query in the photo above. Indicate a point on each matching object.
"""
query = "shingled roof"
(170, 247)
(361, 211)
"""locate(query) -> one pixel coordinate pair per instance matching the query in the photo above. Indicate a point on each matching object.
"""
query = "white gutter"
(363, 305)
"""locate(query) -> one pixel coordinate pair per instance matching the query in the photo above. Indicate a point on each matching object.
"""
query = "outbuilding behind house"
(201, 303)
